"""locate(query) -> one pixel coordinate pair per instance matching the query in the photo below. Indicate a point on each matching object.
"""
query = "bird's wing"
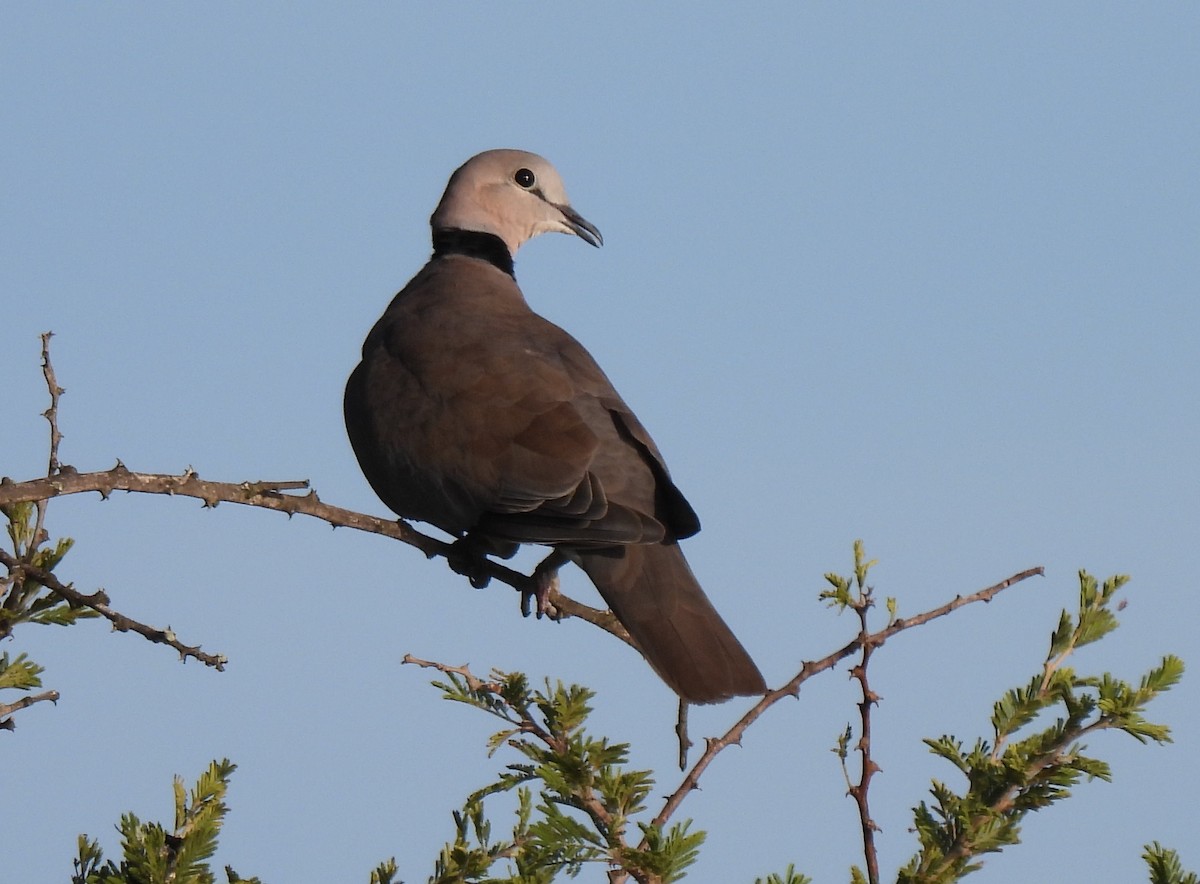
(475, 413)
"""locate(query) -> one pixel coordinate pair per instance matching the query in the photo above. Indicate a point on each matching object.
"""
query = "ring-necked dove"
(471, 412)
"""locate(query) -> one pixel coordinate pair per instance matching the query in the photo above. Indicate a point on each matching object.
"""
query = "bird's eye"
(524, 178)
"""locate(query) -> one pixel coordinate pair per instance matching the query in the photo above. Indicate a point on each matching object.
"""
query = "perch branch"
(271, 495)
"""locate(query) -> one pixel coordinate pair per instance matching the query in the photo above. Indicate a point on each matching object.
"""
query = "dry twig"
(6, 709)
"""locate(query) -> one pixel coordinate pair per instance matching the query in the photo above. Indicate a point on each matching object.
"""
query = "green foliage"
(575, 798)
(24, 599)
(1165, 867)
(152, 855)
(1014, 774)
(21, 674)
(842, 595)
(385, 873)
(791, 876)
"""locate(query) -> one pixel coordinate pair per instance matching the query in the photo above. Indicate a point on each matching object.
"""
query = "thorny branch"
(51, 416)
(473, 681)
(99, 602)
(714, 745)
(860, 790)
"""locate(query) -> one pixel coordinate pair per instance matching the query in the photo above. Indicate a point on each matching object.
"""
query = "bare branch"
(474, 682)
(7, 709)
(51, 413)
(51, 416)
(98, 602)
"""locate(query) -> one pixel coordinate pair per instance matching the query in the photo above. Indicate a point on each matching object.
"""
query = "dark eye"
(524, 178)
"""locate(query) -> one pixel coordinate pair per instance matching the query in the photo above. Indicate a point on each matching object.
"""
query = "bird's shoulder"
(464, 311)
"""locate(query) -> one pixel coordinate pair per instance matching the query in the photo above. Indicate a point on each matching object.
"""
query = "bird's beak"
(582, 228)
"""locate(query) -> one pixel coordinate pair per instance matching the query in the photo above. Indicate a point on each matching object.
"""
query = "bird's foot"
(468, 557)
(545, 583)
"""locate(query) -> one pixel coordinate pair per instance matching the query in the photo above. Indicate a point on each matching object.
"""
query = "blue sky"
(920, 275)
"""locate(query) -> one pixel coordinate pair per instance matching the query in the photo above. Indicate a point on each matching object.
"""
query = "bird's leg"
(545, 581)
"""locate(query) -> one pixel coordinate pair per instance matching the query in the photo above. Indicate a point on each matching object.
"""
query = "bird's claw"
(466, 558)
(545, 582)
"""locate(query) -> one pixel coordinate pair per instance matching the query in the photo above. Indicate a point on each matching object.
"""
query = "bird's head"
(512, 194)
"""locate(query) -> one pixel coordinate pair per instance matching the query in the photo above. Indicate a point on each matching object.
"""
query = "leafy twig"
(572, 772)
(1006, 780)
(153, 853)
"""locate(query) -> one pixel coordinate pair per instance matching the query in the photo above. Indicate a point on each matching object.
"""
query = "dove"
(471, 412)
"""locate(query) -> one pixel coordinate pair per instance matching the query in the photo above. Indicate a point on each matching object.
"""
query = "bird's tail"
(652, 591)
